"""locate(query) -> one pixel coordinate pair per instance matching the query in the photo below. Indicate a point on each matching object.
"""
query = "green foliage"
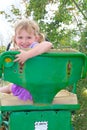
(2, 49)
(15, 11)
(38, 8)
(80, 117)
(28, 10)
(83, 41)
(84, 6)
(1, 12)
(62, 14)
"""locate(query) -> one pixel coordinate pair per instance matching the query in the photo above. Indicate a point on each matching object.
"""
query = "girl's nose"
(24, 40)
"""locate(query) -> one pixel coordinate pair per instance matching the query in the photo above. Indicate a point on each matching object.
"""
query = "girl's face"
(23, 39)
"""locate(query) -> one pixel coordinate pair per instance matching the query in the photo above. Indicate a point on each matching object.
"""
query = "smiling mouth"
(23, 46)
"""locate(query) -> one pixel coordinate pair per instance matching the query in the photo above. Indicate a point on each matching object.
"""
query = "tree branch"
(79, 9)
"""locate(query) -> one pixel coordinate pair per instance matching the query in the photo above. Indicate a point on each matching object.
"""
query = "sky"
(5, 28)
(5, 4)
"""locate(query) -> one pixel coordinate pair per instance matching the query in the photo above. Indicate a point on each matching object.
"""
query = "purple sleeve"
(33, 45)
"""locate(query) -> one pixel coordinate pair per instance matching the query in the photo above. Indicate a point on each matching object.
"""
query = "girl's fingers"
(17, 59)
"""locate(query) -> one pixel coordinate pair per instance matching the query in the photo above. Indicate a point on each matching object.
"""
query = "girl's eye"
(20, 37)
(29, 37)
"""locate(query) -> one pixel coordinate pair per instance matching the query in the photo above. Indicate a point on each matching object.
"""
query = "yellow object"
(8, 60)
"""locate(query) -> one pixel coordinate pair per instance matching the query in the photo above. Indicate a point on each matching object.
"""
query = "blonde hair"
(29, 26)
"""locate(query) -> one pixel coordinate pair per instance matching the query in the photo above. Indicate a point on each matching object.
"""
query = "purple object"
(33, 44)
(21, 93)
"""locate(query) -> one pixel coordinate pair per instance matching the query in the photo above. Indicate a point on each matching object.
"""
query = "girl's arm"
(37, 50)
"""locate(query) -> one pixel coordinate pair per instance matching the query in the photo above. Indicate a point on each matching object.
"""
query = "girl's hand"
(22, 57)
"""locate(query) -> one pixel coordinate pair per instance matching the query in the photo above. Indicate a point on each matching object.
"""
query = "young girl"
(27, 36)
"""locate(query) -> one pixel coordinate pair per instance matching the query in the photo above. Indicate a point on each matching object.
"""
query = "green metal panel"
(0, 119)
(35, 117)
(41, 107)
(43, 76)
(46, 74)
(40, 120)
